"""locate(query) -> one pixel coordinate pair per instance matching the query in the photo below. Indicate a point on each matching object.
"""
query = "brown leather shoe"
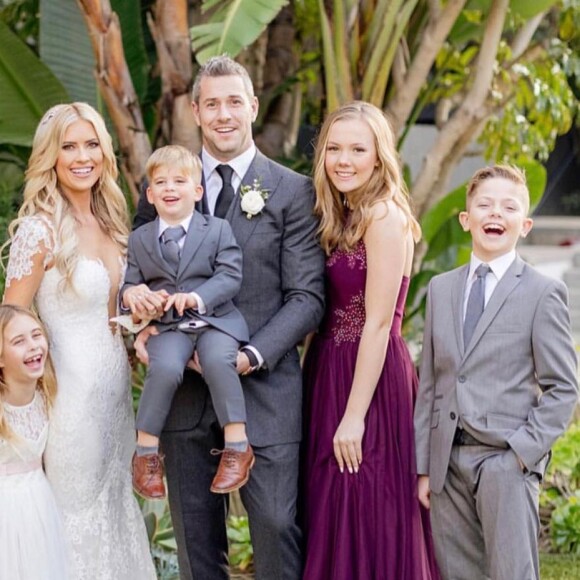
(148, 476)
(234, 469)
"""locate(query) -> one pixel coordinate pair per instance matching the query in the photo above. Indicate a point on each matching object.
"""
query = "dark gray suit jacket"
(513, 385)
(210, 265)
(281, 298)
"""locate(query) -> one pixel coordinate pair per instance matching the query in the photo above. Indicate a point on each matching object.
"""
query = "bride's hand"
(141, 343)
(348, 443)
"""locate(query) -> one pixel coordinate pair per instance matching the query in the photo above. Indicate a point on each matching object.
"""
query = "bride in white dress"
(66, 257)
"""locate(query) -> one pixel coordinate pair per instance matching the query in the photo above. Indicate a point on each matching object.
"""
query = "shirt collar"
(239, 164)
(163, 225)
(499, 266)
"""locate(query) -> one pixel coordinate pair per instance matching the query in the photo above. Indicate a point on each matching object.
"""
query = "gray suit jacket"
(514, 384)
(282, 300)
(210, 265)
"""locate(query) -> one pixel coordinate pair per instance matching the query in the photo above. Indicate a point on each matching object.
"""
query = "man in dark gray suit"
(282, 300)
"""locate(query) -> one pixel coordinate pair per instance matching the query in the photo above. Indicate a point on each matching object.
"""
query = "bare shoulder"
(388, 219)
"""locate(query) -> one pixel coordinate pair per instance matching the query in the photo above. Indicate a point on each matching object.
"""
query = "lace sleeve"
(34, 235)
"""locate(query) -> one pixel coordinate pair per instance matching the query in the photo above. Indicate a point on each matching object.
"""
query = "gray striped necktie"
(170, 245)
(475, 303)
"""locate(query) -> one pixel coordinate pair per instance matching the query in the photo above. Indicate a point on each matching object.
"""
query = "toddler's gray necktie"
(475, 303)
(170, 245)
(226, 193)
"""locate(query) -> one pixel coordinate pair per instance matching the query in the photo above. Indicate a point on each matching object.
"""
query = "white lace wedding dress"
(92, 433)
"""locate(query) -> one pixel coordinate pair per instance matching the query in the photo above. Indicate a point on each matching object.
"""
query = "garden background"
(491, 79)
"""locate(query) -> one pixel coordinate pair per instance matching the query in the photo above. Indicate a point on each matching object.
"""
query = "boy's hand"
(181, 301)
(144, 303)
(424, 491)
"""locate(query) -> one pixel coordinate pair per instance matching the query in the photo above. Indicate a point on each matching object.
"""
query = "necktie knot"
(482, 270)
(173, 234)
(225, 172)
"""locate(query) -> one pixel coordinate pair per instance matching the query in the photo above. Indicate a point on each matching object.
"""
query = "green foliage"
(565, 525)
(559, 567)
(29, 88)
(560, 498)
(22, 17)
(232, 26)
(73, 68)
(241, 551)
(543, 108)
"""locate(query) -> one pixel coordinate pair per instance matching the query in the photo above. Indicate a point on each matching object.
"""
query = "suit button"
(452, 415)
(462, 379)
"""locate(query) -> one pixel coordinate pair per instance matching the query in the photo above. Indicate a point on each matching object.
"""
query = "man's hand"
(181, 301)
(141, 343)
(144, 303)
(424, 491)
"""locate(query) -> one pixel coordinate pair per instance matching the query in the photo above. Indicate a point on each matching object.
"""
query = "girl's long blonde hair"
(46, 385)
(385, 183)
(42, 195)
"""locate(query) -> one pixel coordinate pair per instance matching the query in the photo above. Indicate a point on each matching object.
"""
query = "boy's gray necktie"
(226, 193)
(475, 303)
(170, 245)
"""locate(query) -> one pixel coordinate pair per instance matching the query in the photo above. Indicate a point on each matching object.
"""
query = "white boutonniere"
(253, 198)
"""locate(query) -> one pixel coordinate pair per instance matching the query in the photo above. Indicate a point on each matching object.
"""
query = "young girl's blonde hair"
(42, 195)
(385, 183)
(46, 385)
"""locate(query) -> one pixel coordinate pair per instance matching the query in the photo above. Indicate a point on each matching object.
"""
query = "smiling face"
(79, 164)
(24, 351)
(225, 113)
(496, 217)
(173, 191)
(351, 154)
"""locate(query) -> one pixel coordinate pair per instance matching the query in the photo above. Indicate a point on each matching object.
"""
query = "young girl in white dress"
(32, 545)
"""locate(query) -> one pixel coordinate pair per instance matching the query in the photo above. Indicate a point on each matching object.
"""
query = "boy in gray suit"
(191, 265)
(497, 387)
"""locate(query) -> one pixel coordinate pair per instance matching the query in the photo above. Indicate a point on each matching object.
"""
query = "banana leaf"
(29, 88)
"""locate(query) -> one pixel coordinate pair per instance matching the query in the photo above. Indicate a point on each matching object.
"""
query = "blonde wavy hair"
(46, 385)
(385, 184)
(42, 195)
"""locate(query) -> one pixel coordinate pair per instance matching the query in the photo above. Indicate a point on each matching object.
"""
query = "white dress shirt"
(499, 267)
(213, 181)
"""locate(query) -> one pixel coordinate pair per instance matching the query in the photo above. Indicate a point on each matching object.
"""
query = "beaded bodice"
(345, 294)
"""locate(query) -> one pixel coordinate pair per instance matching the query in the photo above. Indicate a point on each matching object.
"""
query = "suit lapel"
(197, 231)
(503, 289)
(457, 299)
(260, 170)
(149, 238)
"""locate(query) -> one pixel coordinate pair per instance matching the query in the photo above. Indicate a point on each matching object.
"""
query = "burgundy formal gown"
(370, 525)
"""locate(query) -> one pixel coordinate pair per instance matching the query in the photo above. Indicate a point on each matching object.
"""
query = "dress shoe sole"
(143, 496)
(237, 486)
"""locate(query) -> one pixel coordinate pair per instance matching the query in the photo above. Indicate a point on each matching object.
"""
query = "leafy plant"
(560, 498)
(241, 550)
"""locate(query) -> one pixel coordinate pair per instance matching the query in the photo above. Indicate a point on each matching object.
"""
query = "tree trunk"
(432, 180)
(117, 89)
(170, 29)
(279, 127)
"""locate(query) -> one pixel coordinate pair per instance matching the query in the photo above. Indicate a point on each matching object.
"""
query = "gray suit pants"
(168, 353)
(485, 520)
